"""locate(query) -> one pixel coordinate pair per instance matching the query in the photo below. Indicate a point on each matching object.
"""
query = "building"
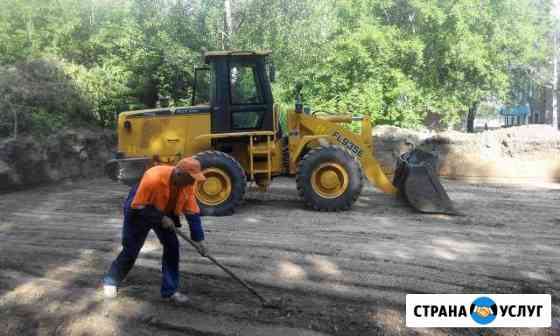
(540, 102)
(515, 116)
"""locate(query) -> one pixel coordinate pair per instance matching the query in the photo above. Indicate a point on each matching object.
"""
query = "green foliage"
(394, 60)
(364, 74)
(42, 97)
(104, 87)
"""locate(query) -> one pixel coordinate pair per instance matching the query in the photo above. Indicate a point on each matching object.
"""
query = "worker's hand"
(167, 223)
(201, 248)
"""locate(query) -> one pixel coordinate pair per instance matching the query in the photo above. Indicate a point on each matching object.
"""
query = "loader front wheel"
(329, 179)
(225, 184)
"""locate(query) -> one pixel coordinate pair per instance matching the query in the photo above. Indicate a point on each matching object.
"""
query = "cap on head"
(192, 167)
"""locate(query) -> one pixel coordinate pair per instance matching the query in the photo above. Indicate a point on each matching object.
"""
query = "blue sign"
(521, 110)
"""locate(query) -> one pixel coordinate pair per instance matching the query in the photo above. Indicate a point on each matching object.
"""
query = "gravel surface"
(340, 273)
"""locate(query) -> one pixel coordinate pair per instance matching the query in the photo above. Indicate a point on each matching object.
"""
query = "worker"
(155, 203)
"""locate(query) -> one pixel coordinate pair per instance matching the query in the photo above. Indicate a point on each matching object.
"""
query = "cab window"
(244, 85)
(205, 86)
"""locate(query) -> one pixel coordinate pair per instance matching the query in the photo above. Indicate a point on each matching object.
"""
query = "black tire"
(226, 163)
(318, 156)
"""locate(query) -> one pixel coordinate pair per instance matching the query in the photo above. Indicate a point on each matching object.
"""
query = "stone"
(29, 161)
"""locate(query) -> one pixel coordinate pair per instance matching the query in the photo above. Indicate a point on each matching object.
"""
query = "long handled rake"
(274, 303)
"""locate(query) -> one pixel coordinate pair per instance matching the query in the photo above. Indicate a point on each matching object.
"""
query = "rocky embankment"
(29, 161)
(530, 152)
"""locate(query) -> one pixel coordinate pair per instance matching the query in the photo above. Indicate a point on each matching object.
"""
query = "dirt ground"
(340, 273)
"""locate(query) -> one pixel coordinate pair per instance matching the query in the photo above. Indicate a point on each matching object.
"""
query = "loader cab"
(236, 86)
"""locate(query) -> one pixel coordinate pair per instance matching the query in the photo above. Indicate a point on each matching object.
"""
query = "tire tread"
(302, 178)
(238, 189)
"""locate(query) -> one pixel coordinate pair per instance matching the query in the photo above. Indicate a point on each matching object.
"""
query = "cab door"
(250, 99)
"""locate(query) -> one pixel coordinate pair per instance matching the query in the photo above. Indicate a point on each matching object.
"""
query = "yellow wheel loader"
(233, 129)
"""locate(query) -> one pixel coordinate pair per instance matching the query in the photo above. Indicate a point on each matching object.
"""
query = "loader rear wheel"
(225, 184)
(329, 179)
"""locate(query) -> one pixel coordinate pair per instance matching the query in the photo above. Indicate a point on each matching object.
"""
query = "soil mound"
(530, 151)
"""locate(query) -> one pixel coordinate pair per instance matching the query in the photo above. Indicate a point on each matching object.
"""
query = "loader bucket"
(418, 183)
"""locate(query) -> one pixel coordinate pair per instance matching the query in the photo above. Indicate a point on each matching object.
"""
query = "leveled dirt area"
(341, 273)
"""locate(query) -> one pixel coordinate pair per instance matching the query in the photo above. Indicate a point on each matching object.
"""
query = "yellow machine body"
(166, 136)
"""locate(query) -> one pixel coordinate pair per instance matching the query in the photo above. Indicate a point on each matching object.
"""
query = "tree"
(44, 99)
(395, 60)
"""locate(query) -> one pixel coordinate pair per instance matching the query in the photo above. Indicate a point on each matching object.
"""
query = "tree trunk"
(470, 117)
(228, 25)
(555, 83)
(15, 123)
(92, 13)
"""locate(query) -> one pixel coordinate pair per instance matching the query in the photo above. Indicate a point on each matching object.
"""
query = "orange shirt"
(154, 189)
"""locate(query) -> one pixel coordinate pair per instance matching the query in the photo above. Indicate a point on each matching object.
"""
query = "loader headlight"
(127, 125)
